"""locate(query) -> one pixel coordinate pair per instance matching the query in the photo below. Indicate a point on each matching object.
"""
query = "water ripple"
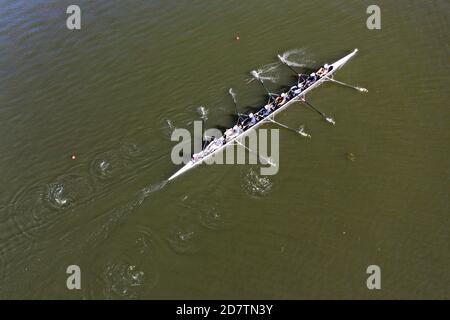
(68, 190)
(214, 218)
(108, 164)
(131, 273)
(184, 237)
(37, 206)
(255, 185)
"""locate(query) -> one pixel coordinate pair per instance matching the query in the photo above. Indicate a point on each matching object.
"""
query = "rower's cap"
(250, 115)
(326, 65)
(313, 74)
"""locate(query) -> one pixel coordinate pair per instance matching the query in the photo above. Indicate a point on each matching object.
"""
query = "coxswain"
(323, 70)
(277, 102)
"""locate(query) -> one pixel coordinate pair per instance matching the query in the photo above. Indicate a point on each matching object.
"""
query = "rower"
(229, 134)
(252, 118)
(323, 70)
(249, 121)
(215, 144)
(197, 156)
(284, 98)
(265, 111)
(298, 90)
(311, 79)
(232, 132)
(291, 92)
(302, 79)
(293, 88)
(277, 102)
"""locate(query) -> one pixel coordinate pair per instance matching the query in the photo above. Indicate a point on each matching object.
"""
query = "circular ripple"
(109, 164)
(35, 207)
(123, 280)
(132, 150)
(213, 218)
(131, 273)
(167, 127)
(28, 209)
(184, 238)
(68, 191)
(255, 185)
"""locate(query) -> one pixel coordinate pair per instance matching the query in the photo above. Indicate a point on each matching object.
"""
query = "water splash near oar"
(285, 62)
(302, 132)
(203, 112)
(327, 118)
(291, 58)
(233, 95)
(360, 89)
(257, 76)
(266, 73)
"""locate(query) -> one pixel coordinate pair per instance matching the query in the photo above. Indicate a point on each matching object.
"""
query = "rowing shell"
(336, 66)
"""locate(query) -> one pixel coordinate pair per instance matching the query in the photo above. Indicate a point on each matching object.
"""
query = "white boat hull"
(336, 66)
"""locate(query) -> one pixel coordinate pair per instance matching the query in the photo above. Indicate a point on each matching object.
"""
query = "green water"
(112, 92)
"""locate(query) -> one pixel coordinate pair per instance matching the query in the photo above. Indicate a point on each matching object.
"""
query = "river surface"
(86, 118)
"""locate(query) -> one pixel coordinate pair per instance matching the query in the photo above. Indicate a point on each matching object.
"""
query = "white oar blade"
(330, 120)
(255, 74)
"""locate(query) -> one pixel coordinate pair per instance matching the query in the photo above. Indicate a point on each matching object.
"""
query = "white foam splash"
(233, 94)
(296, 58)
(170, 125)
(203, 112)
(265, 73)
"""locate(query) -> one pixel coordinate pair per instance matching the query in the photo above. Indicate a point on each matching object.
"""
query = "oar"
(299, 75)
(327, 118)
(260, 156)
(301, 132)
(347, 85)
(287, 64)
(256, 76)
(231, 92)
(203, 117)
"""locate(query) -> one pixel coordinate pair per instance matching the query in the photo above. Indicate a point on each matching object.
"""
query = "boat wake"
(118, 214)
